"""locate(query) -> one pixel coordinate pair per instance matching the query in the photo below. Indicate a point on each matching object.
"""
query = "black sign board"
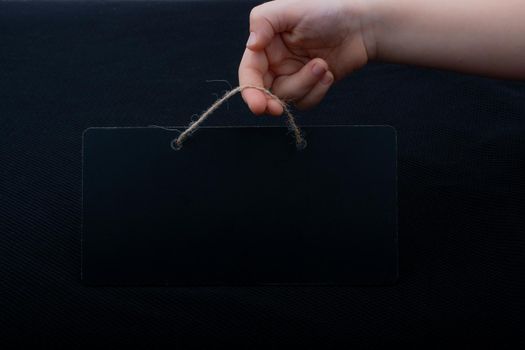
(240, 206)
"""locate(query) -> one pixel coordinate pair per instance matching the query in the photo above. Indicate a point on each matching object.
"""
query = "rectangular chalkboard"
(239, 206)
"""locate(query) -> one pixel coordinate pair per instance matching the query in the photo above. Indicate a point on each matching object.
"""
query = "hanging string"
(300, 142)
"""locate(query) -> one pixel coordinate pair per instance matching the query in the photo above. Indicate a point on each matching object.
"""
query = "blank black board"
(240, 206)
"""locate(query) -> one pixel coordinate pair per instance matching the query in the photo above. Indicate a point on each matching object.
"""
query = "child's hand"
(297, 48)
(294, 39)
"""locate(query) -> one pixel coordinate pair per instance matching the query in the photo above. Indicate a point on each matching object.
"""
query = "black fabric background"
(68, 66)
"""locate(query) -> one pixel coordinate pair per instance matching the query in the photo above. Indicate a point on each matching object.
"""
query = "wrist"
(370, 21)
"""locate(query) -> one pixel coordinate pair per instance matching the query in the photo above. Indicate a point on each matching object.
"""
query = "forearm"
(484, 37)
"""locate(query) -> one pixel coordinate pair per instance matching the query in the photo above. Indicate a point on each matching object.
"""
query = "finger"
(268, 79)
(280, 60)
(318, 92)
(252, 70)
(268, 19)
(295, 86)
(273, 107)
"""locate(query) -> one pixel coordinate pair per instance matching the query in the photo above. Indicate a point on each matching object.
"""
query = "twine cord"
(300, 142)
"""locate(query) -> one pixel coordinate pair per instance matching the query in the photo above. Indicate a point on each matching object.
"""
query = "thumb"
(267, 20)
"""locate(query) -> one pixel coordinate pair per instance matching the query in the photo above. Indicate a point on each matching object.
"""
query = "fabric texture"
(66, 66)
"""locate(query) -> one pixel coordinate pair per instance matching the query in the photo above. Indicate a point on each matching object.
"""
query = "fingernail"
(251, 39)
(318, 70)
(327, 78)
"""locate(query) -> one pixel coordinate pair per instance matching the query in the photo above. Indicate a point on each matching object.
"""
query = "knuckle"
(254, 13)
(321, 62)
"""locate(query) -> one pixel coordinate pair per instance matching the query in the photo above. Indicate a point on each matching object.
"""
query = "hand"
(298, 48)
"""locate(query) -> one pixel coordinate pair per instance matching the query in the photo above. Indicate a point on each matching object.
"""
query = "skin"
(299, 48)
